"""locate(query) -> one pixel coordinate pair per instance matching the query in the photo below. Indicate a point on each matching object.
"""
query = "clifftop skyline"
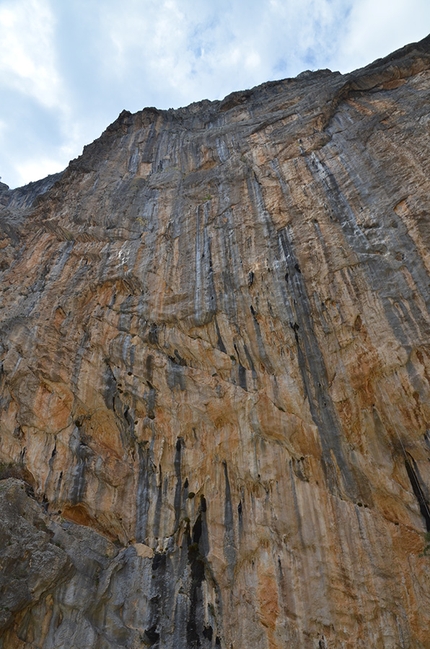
(68, 69)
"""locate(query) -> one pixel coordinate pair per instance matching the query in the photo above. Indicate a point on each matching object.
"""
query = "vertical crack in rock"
(143, 493)
(408, 321)
(310, 359)
(205, 303)
(158, 504)
(229, 540)
(314, 376)
(418, 488)
(178, 490)
(82, 453)
(161, 573)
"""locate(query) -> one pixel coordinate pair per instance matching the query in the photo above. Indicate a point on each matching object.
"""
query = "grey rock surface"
(215, 375)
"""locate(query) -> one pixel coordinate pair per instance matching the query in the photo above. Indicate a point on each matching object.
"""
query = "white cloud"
(186, 50)
(67, 69)
(27, 55)
(30, 79)
(37, 168)
(375, 29)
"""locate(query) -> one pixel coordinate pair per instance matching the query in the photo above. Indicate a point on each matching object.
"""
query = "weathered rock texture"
(215, 343)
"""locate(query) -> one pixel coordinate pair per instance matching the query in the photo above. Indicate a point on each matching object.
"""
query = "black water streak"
(408, 324)
(143, 493)
(229, 541)
(418, 488)
(178, 491)
(314, 376)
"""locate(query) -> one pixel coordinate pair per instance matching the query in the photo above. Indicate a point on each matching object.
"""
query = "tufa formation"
(215, 375)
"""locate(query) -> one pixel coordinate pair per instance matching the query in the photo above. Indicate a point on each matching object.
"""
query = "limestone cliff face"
(215, 375)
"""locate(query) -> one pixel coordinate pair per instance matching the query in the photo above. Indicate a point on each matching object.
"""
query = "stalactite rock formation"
(215, 375)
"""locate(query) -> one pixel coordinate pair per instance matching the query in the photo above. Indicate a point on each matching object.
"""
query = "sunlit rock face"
(215, 373)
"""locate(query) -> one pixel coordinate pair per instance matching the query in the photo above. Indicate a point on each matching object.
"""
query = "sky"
(69, 67)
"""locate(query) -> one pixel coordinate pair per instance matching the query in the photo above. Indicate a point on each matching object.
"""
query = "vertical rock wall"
(214, 406)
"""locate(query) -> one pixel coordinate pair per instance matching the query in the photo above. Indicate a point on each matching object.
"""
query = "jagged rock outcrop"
(215, 375)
